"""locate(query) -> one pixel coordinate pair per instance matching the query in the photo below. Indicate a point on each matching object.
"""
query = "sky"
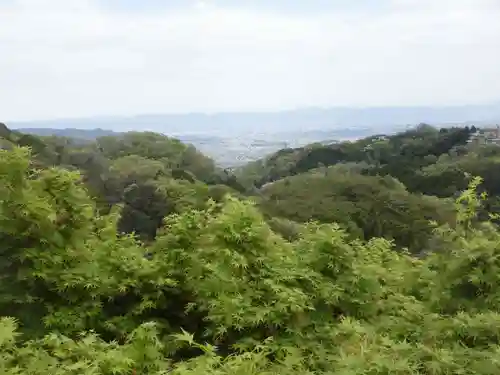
(77, 58)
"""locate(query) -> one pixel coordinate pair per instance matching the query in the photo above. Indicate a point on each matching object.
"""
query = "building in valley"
(486, 136)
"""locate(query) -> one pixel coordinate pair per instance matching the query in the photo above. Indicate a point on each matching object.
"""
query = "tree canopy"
(225, 282)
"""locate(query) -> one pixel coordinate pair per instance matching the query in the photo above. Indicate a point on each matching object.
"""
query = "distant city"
(232, 139)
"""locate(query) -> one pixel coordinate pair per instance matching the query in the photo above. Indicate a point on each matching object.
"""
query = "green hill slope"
(79, 297)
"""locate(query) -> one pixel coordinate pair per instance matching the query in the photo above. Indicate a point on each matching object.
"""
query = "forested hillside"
(149, 174)
(398, 155)
(380, 186)
(136, 255)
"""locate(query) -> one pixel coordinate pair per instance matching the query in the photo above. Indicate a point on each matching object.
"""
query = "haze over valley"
(235, 138)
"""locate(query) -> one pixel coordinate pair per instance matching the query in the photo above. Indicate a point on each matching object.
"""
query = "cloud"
(74, 58)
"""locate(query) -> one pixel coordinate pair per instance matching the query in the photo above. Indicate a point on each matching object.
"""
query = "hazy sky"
(69, 58)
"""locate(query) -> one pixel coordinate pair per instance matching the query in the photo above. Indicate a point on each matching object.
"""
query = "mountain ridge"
(277, 121)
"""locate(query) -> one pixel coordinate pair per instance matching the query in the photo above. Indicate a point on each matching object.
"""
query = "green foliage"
(171, 152)
(366, 206)
(57, 252)
(399, 155)
(132, 170)
(226, 286)
(380, 186)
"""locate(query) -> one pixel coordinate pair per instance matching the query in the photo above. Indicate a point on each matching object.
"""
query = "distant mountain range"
(235, 138)
(280, 121)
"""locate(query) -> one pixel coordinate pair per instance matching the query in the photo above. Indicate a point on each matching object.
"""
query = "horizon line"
(250, 112)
